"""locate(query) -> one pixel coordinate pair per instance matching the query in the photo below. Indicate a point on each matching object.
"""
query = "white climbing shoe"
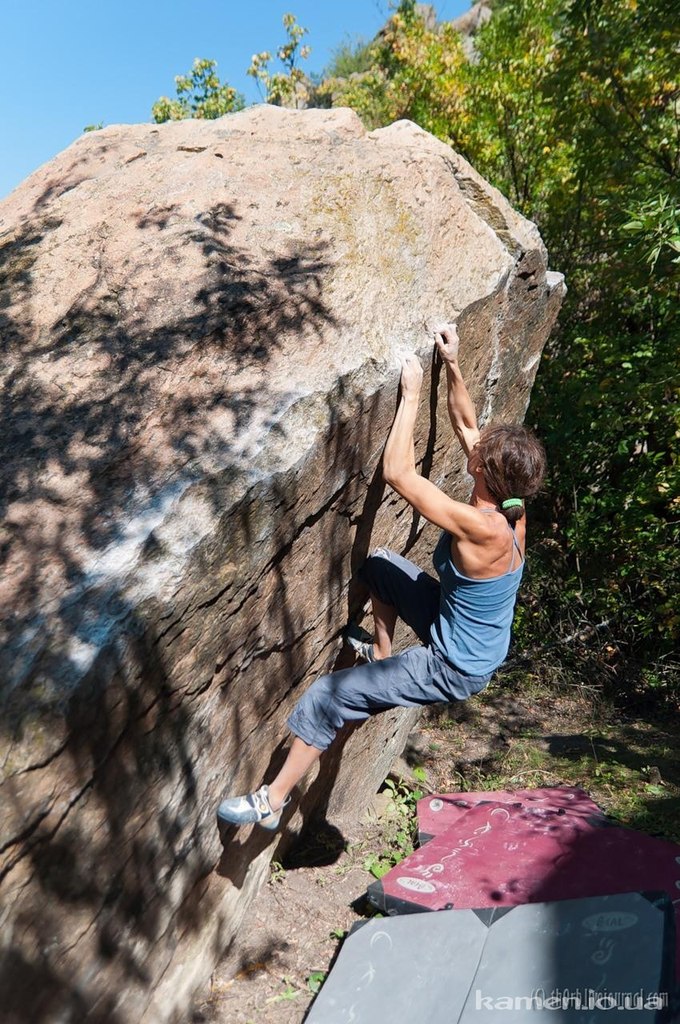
(253, 809)
(360, 641)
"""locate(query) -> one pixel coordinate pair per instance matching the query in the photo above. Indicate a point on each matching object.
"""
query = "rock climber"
(462, 619)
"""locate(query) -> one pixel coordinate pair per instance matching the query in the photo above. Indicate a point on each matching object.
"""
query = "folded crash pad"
(438, 812)
(582, 958)
(504, 855)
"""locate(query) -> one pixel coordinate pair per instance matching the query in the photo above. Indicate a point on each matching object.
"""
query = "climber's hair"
(513, 463)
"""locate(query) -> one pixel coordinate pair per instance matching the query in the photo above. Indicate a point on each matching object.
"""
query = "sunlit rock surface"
(201, 327)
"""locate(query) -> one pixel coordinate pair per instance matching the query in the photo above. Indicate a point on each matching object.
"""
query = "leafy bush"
(200, 94)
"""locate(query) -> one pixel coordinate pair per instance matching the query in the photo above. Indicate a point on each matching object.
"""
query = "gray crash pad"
(572, 962)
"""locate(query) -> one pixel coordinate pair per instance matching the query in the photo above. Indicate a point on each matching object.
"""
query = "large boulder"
(202, 324)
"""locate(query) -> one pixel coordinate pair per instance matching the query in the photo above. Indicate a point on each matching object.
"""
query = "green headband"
(512, 503)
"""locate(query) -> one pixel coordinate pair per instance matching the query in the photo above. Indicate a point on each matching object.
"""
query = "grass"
(571, 737)
(400, 827)
(290, 992)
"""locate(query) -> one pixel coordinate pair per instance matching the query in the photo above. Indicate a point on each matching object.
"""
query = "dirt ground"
(500, 740)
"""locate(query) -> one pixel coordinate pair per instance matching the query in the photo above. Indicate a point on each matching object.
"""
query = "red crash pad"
(438, 812)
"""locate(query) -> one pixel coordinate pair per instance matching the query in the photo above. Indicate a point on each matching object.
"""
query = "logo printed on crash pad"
(609, 922)
(416, 884)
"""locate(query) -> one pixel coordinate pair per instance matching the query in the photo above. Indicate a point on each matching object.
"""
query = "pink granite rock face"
(201, 326)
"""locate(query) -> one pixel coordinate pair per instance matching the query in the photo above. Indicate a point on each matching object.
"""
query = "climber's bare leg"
(384, 621)
(301, 755)
(300, 759)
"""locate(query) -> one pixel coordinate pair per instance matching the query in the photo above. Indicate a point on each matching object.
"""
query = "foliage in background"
(290, 86)
(411, 70)
(351, 57)
(607, 398)
(200, 94)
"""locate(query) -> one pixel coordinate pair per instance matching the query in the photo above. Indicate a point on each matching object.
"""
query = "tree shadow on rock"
(107, 835)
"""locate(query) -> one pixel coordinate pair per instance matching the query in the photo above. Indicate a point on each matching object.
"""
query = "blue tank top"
(472, 628)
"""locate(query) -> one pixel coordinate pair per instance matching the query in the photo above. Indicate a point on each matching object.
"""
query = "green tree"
(351, 57)
(590, 151)
(413, 72)
(200, 94)
(510, 124)
(290, 86)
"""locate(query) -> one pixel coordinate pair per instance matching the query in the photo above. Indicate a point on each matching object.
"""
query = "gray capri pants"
(420, 675)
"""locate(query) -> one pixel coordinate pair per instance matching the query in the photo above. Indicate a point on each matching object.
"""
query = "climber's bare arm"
(460, 520)
(399, 468)
(461, 410)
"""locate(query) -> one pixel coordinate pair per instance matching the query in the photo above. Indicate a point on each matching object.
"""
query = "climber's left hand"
(411, 375)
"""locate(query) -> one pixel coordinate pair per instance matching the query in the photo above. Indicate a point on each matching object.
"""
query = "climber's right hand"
(446, 340)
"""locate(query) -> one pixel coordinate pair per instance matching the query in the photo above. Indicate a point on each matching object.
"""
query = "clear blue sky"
(69, 63)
